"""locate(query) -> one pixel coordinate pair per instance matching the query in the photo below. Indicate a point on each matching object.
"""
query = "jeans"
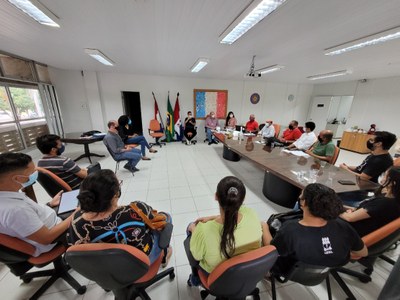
(156, 250)
(209, 135)
(194, 264)
(140, 139)
(133, 157)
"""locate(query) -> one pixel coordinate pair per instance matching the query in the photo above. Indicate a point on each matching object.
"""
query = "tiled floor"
(182, 180)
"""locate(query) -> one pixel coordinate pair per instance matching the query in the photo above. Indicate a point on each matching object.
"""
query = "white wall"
(91, 100)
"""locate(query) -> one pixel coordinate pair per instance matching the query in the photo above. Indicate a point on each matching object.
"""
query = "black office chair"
(51, 182)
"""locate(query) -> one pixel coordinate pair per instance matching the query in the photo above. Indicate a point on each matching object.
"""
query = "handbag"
(152, 218)
(276, 221)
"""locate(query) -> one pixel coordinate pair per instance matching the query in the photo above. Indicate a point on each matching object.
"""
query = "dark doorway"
(132, 109)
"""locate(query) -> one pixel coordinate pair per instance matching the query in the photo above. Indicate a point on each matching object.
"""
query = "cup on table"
(313, 175)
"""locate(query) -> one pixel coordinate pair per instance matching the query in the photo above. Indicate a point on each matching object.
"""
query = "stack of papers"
(297, 153)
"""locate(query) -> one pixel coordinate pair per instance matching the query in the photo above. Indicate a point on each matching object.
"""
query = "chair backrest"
(277, 129)
(335, 155)
(240, 273)
(306, 274)
(109, 150)
(154, 125)
(112, 266)
(51, 182)
(261, 126)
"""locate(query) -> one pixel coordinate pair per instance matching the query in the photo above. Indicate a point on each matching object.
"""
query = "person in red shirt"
(252, 125)
(291, 134)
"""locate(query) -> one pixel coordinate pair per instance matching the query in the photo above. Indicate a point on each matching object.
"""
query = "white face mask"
(230, 116)
(267, 125)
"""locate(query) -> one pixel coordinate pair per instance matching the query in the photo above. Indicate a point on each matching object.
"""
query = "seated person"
(307, 139)
(268, 131)
(324, 149)
(231, 121)
(20, 216)
(252, 125)
(211, 124)
(101, 220)
(121, 151)
(190, 128)
(291, 134)
(212, 240)
(124, 131)
(374, 213)
(65, 168)
(320, 238)
(378, 161)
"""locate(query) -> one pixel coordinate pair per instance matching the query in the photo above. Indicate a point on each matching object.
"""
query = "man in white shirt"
(307, 139)
(268, 130)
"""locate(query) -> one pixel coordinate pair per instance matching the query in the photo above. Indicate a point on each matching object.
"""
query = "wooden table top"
(77, 139)
(287, 166)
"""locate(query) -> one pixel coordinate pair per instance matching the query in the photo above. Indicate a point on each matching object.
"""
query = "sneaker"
(134, 169)
(128, 167)
(193, 280)
(214, 142)
(209, 143)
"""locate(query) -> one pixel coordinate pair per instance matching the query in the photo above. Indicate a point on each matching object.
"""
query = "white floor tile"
(182, 205)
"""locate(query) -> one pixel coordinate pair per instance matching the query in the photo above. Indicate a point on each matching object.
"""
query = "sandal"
(146, 158)
(167, 258)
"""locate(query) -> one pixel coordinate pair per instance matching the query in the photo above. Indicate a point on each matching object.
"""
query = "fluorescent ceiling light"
(199, 64)
(329, 75)
(99, 56)
(253, 14)
(37, 11)
(270, 69)
(370, 40)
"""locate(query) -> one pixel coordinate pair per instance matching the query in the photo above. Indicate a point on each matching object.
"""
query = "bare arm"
(325, 158)
(361, 253)
(354, 216)
(82, 173)
(266, 237)
(46, 236)
(351, 170)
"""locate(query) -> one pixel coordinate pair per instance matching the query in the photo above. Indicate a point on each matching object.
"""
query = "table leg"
(88, 154)
(230, 155)
(280, 191)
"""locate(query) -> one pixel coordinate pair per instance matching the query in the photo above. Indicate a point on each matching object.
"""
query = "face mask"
(370, 145)
(32, 179)
(291, 127)
(130, 122)
(61, 150)
(230, 116)
(320, 139)
(251, 119)
(212, 116)
(267, 125)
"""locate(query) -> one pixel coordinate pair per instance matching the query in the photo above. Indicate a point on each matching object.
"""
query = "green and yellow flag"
(169, 126)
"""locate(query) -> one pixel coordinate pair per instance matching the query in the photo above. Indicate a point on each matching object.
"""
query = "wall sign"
(255, 98)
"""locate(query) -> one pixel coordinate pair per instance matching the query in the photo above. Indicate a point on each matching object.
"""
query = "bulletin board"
(206, 101)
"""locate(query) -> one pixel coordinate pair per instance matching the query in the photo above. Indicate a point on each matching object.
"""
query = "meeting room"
(214, 149)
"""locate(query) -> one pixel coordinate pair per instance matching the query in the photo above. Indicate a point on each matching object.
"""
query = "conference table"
(75, 138)
(287, 174)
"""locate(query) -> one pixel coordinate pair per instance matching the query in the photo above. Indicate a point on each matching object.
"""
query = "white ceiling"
(165, 37)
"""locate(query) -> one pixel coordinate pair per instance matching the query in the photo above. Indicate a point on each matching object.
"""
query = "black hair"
(228, 117)
(328, 135)
(310, 125)
(47, 142)
(12, 161)
(189, 112)
(322, 201)
(230, 194)
(295, 122)
(387, 139)
(123, 120)
(97, 190)
(392, 179)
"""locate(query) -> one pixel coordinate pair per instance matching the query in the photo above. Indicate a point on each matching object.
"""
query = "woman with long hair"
(380, 210)
(212, 240)
(320, 237)
(101, 220)
(230, 122)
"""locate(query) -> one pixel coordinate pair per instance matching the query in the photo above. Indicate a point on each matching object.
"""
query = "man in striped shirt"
(65, 168)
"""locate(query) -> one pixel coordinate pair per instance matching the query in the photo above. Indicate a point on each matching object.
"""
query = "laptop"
(68, 202)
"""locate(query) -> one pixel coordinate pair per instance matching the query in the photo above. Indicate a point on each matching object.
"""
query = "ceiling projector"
(252, 72)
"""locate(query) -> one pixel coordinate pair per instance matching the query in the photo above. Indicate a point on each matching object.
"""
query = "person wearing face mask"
(231, 121)
(252, 125)
(211, 124)
(22, 217)
(268, 131)
(190, 129)
(307, 139)
(291, 134)
(380, 210)
(324, 149)
(378, 161)
(50, 145)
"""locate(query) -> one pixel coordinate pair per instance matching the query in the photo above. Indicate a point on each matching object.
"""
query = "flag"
(157, 114)
(177, 118)
(169, 125)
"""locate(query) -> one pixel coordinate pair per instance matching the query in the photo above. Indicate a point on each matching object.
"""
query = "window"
(28, 104)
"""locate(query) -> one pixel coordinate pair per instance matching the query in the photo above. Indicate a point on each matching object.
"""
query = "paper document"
(297, 153)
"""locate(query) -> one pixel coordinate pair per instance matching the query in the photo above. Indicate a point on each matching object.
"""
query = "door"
(132, 108)
(319, 112)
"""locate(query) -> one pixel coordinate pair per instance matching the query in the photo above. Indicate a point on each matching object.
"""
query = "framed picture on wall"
(205, 101)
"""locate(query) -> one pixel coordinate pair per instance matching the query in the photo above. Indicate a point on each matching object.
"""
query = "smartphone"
(346, 182)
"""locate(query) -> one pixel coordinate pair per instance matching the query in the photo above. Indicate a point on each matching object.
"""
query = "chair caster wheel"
(27, 280)
(365, 280)
(81, 290)
(172, 275)
(204, 294)
(368, 271)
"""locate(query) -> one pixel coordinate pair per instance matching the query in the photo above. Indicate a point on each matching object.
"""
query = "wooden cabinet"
(355, 141)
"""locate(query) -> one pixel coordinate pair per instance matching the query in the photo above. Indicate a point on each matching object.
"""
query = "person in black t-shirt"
(190, 130)
(374, 213)
(320, 238)
(378, 161)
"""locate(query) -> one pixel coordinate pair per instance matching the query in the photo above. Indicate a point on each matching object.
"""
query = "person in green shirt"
(236, 230)
(324, 149)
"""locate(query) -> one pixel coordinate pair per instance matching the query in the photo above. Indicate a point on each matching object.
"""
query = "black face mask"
(60, 150)
(291, 127)
(320, 139)
(370, 145)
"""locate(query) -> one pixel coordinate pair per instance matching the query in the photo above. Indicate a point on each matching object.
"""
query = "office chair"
(305, 274)
(51, 182)
(156, 132)
(17, 255)
(121, 268)
(193, 141)
(277, 129)
(117, 161)
(261, 126)
(335, 155)
(238, 276)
